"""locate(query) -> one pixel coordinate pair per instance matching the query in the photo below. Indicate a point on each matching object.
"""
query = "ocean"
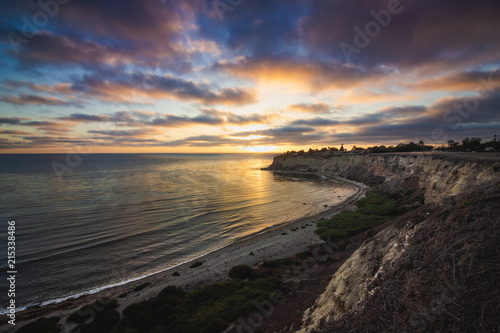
(85, 225)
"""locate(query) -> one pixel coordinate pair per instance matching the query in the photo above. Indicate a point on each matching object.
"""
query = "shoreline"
(273, 242)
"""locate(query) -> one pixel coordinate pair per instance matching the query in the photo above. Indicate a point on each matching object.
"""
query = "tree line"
(466, 145)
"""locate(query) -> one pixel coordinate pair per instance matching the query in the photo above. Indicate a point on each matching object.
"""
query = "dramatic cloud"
(279, 73)
(313, 76)
(451, 118)
(463, 81)
(139, 118)
(117, 86)
(442, 32)
(144, 88)
(150, 34)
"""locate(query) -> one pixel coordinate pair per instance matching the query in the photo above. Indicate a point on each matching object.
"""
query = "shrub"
(276, 263)
(244, 272)
(207, 310)
(196, 264)
(46, 325)
(176, 274)
(98, 317)
(142, 286)
(374, 209)
(304, 255)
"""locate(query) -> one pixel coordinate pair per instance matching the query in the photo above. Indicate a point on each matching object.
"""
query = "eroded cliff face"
(436, 178)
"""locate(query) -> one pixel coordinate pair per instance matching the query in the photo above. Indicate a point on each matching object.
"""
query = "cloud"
(387, 114)
(86, 118)
(318, 107)
(407, 80)
(461, 81)
(278, 131)
(24, 99)
(419, 35)
(116, 86)
(13, 132)
(49, 127)
(120, 133)
(316, 122)
(47, 48)
(285, 135)
(211, 117)
(94, 33)
(170, 120)
(12, 120)
(236, 119)
(309, 75)
(58, 88)
(449, 118)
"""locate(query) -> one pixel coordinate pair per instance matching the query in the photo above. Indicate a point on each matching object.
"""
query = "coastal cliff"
(433, 176)
(431, 269)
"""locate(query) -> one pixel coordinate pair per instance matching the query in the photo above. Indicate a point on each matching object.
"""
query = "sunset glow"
(258, 76)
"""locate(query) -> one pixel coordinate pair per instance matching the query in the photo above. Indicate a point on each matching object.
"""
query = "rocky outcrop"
(448, 185)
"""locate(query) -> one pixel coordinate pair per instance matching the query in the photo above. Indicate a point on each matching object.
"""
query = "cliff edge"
(436, 268)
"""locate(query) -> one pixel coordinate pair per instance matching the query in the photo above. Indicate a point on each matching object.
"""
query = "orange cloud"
(465, 81)
(311, 76)
(318, 107)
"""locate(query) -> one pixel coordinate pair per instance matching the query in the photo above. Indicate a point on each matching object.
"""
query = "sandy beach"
(273, 243)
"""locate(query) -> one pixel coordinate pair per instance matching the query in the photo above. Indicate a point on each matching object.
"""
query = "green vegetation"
(374, 209)
(464, 204)
(472, 144)
(98, 317)
(244, 272)
(277, 262)
(466, 145)
(142, 286)
(210, 309)
(46, 325)
(304, 255)
(196, 264)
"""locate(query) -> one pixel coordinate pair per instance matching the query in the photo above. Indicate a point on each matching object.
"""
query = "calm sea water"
(116, 217)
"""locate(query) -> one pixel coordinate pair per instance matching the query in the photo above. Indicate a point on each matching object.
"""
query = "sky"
(245, 75)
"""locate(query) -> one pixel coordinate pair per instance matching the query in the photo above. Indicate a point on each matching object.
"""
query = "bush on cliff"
(207, 310)
(98, 317)
(374, 209)
(244, 272)
(46, 325)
